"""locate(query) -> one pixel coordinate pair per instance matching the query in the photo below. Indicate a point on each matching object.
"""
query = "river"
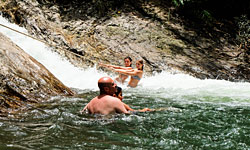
(191, 113)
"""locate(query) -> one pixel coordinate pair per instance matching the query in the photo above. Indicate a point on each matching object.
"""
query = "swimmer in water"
(128, 65)
(105, 103)
(136, 74)
(118, 94)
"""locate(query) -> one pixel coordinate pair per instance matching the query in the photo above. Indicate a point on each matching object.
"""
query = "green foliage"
(194, 8)
(206, 16)
(179, 2)
(207, 10)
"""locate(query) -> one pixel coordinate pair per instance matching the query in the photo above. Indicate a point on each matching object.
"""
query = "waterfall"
(67, 73)
(165, 84)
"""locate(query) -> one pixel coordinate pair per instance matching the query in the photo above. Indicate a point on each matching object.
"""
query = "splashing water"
(175, 85)
(211, 114)
(61, 68)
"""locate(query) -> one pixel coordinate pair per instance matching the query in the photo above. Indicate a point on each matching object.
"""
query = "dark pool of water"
(178, 125)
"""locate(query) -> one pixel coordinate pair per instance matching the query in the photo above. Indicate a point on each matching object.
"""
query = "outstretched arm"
(127, 107)
(146, 109)
(85, 108)
(131, 72)
(140, 110)
(114, 67)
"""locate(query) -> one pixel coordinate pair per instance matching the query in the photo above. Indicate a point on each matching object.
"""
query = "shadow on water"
(183, 124)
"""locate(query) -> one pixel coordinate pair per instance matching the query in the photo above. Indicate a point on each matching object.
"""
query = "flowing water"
(191, 113)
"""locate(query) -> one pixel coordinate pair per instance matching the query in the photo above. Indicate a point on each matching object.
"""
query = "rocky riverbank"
(24, 80)
(148, 30)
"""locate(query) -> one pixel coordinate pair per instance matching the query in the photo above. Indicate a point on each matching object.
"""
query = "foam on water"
(188, 83)
(165, 84)
(181, 86)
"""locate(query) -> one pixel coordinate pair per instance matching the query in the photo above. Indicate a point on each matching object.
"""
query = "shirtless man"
(105, 103)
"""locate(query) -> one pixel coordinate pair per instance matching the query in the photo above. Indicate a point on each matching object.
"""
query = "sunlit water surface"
(191, 113)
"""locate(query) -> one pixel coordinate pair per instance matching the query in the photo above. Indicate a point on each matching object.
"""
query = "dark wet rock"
(23, 80)
(147, 30)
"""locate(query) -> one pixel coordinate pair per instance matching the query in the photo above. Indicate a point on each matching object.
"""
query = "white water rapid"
(167, 85)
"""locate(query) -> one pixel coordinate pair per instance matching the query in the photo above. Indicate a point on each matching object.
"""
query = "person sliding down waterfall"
(136, 74)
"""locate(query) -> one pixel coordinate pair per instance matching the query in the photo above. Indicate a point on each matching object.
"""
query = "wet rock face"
(143, 29)
(23, 79)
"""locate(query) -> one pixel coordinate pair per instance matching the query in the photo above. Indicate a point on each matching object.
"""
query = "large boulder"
(88, 32)
(23, 79)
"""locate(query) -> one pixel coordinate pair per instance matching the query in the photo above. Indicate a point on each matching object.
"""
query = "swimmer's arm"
(126, 72)
(146, 109)
(120, 108)
(127, 107)
(142, 110)
(115, 67)
(103, 65)
(120, 67)
(85, 108)
(125, 68)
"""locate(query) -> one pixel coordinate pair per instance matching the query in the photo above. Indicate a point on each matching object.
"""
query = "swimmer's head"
(107, 86)
(128, 61)
(118, 93)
